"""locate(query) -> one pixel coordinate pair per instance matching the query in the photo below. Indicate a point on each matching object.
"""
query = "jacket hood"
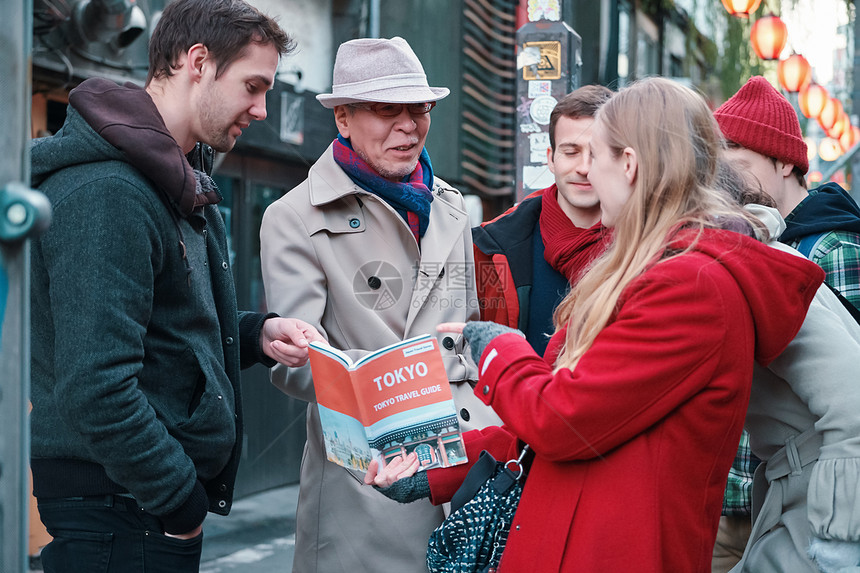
(827, 208)
(107, 122)
(778, 286)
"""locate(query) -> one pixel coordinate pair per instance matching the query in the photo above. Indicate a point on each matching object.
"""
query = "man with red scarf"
(371, 249)
(527, 258)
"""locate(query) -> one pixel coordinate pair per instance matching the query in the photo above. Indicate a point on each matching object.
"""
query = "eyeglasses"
(395, 109)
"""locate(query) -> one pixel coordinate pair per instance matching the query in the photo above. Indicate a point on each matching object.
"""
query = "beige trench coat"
(343, 260)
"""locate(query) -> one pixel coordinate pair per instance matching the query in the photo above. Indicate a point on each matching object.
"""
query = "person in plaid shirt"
(764, 140)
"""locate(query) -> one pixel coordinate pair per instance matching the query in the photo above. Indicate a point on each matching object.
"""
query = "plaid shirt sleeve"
(738, 496)
(838, 253)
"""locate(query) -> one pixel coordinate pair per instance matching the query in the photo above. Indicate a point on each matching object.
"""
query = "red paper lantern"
(849, 138)
(769, 36)
(812, 99)
(830, 114)
(842, 125)
(794, 73)
(829, 149)
(741, 8)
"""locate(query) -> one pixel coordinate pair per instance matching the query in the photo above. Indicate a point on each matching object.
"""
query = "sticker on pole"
(548, 67)
(541, 109)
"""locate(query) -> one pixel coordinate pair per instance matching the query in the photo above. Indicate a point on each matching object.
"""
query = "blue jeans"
(111, 534)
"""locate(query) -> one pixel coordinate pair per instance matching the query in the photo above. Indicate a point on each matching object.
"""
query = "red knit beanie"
(759, 118)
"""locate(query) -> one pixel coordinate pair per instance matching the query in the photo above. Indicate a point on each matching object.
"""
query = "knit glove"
(408, 489)
(480, 333)
(835, 556)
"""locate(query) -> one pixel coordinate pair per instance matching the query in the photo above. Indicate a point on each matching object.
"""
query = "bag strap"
(477, 476)
(852, 310)
(807, 244)
(518, 463)
(481, 472)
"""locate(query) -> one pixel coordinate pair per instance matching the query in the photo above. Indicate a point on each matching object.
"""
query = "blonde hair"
(676, 141)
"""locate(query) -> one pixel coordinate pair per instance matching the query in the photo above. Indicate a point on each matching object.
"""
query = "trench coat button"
(229, 340)
(448, 342)
(518, 527)
(374, 282)
(354, 223)
(224, 265)
(485, 390)
(222, 504)
(222, 487)
(464, 413)
(220, 397)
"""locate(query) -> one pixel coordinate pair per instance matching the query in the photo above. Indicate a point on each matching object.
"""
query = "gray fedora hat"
(379, 70)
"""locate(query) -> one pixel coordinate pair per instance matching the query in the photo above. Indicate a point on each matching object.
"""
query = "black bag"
(473, 536)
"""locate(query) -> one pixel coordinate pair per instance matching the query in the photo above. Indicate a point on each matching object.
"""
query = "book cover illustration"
(390, 402)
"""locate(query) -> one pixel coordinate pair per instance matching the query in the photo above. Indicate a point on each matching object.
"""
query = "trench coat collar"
(327, 182)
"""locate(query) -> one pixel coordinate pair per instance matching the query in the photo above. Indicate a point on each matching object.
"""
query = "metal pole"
(22, 212)
(373, 19)
(549, 64)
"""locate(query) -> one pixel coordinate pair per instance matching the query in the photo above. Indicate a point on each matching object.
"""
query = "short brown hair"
(582, 102)
(225, 27)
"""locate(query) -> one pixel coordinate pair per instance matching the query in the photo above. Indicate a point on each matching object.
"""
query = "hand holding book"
(399, 480)
(396, 469)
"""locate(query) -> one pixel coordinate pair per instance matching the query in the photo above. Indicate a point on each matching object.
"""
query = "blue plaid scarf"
(411, 197)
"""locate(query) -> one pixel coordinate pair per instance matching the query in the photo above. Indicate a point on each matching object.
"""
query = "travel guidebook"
(390, 402)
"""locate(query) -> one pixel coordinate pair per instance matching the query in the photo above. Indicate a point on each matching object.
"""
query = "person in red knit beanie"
(764, 139)
(760, 119)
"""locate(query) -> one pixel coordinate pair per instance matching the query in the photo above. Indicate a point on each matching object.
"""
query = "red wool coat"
(633, 446)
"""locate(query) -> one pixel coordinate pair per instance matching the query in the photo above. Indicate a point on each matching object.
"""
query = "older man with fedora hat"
(371, 249)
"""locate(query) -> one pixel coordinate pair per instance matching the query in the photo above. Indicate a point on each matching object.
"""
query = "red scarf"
(567, 248)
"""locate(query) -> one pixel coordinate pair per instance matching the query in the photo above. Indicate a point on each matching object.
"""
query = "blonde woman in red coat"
(635, 412)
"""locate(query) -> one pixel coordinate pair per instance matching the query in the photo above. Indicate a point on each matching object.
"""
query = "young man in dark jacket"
(527, 257)
(137, 341)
